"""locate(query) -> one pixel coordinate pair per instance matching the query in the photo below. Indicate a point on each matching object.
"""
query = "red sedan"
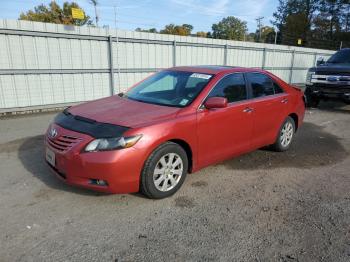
(174, 122)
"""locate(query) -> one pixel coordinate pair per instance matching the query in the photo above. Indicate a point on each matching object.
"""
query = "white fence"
(43, 65)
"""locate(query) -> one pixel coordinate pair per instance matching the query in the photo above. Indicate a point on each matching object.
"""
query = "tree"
(172, 29)
(331, 11)
(53, 13)
(345, 18)
(251, 37)
(201, 34)
(319, 23)
(295, 28)
(151, 30)
(230, 28)
(267, 35)
(293, 19)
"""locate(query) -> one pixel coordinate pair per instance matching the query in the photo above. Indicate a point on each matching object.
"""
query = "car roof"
(212, 69)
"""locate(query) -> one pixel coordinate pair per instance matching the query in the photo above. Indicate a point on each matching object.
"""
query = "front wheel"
(347, 101)
(164, 171)
(311, 101)
(285, 135)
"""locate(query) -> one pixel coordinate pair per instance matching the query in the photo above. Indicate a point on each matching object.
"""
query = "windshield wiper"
(150, 102)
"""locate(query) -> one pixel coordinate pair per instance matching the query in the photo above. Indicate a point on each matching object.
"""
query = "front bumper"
(121, 169)
(329, 91)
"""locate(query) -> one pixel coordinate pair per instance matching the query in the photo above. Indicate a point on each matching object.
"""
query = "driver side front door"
(225, 132)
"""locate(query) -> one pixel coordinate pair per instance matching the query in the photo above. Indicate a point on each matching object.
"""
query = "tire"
(159, 177)
(346, 101)
(311, 101)
(287, 132)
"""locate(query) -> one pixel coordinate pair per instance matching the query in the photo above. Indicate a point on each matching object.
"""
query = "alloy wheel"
(168, 172)
(287, 134)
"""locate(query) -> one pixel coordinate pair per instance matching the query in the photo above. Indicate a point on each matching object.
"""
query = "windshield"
(169, 88)
(340, 57)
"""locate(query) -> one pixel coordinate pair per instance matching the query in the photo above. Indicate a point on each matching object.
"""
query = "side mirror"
(215, 102)
(320, 61)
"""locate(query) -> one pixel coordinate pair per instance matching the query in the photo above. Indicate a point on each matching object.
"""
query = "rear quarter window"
(262, 85)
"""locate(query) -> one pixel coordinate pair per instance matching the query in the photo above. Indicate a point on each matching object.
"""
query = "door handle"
(284, 100)
(248, 110)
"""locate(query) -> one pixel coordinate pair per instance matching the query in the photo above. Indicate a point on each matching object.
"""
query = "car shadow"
(312, 147)
(31, 154)
(334, 106)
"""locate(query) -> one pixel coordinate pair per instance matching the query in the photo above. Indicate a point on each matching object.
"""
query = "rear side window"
(232, 87)
(262, 85)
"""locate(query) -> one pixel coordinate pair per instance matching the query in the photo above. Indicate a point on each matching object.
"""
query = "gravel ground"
(263, 206)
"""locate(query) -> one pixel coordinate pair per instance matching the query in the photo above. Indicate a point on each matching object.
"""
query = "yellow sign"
(78, 13)
(300, 41)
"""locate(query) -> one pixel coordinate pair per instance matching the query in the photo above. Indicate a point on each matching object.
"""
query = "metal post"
(225, 54)
(174, 53)
(263, 59)
(315, 57)
(111, 69)
(276, 37)
(291, 68)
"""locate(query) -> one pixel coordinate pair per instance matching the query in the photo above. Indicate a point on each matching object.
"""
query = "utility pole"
(276, 36)
(115, 17)
(117, 42)
(94, 2)
(258, 20)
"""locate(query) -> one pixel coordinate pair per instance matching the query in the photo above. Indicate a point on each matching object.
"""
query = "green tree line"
(310, 23)
(318, 23)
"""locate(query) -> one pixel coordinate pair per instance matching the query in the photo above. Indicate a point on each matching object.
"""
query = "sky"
(157, 13)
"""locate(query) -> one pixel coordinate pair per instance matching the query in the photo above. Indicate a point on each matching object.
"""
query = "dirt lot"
(263, 206)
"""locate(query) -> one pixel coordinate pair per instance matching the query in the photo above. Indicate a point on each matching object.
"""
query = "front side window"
(170, 88)
(232, 87)
(262, 85)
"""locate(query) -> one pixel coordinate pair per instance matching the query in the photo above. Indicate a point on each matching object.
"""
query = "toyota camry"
(174, 122)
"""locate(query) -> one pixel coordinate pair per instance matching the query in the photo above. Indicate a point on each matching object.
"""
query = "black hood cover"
(88, 126)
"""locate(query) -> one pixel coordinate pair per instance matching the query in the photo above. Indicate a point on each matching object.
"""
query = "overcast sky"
(145, 14)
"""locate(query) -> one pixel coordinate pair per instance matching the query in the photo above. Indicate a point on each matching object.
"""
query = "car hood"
(124, 112)
(330, 68)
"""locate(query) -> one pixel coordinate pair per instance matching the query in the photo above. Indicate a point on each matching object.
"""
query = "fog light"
(98, 182)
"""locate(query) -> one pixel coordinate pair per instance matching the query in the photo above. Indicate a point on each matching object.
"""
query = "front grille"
(335, 73)
(63, 143)
(340, 88)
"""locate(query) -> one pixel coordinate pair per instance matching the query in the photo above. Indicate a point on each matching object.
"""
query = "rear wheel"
(285, 135)
(164, 171)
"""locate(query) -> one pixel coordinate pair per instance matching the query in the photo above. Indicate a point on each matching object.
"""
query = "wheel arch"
(186, 146)
(295, 118)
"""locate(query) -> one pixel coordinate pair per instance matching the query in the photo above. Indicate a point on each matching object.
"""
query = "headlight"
(106, 144)
(309, 77)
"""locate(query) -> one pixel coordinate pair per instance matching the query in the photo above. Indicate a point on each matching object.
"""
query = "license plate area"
(50, 157)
